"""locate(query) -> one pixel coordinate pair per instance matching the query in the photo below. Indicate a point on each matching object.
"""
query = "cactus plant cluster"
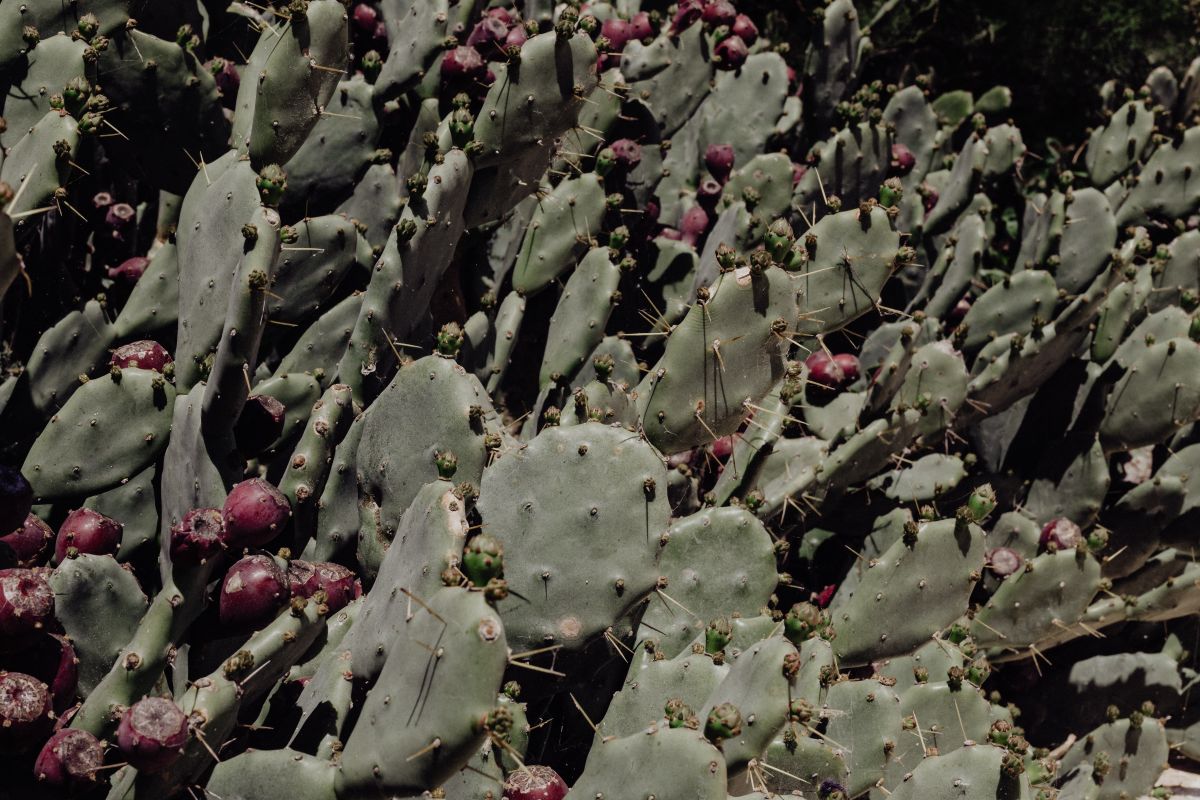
(475, 399)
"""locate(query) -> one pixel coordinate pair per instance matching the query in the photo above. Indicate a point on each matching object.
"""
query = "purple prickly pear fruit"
(119, 218)
(640, 26)
(88, 531)
(719, 12)
(745, 29)
(731, 53)
(534, 782)
(929, 197)
(145, 354)
(101, 200)
(30, 543)
(260, 424)
(364, 17)
(225, 74)
(463, 62)
(825, 371)
(1004, 561)
(517, 36)
(152, 734)
(848, 363)
(16, 498)
(26, 602)
(254, 591)
(255, 513)
(708, 193)
(198, 537)
(340, 585)
(488, 33)
(958, 312)
(68, 761)
(688, 12)
(693, 225)
(618, 32)
(1060, 534)
(718, 158)
(129, 271)
(903, 159)
(26, 717)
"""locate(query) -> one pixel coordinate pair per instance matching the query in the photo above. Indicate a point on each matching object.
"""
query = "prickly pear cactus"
(432, 398)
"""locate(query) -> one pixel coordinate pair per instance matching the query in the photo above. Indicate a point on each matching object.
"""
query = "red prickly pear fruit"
(718, 158)
(69, 761)
(640, 26)
(129, 271)
(198, 537)
(30, 543)
(723, 447)
(628, 153)
(825, 371)
(51, 659)
(731, 53)
(462, 62)
(145, 354)
(693, 225)
(848, 363)
(517, 36)
(260, 424)
(489, 32)
(745, 29)
(903, 159)
(501, 14)
(798, 171)
(16, 498)
(26, 602)
(26, 716)
(88, 531)
(826, 595)
(254, 591)
(152, 734)
(1060, 534)
(62, 669)
(255, 513)
(1004, 561)
(618, 32)
(341, 585)
(688, 12)
(719, 12)
(364, 17)
(534, 782)
(708, 193)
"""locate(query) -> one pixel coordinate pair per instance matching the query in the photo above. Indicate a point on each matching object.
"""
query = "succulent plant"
(420, 391)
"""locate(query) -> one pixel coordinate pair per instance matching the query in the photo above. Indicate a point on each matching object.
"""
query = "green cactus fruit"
(271, 183)
(724, 722)
(483, 560)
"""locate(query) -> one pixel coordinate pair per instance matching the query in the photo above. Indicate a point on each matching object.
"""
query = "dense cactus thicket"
(436, 398)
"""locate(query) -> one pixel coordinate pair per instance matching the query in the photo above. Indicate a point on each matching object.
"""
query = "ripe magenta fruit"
(88, 531)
